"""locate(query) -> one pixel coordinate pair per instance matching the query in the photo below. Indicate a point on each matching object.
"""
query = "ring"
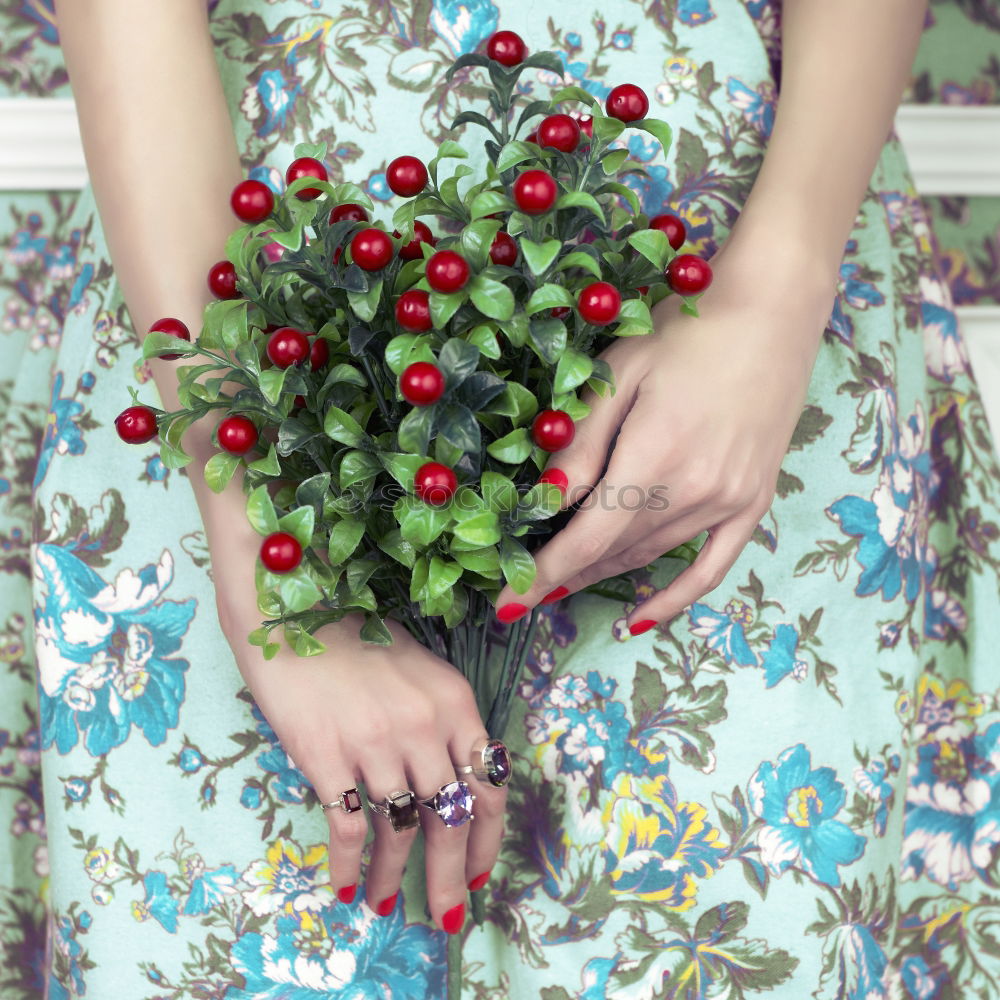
(452, 802)
(400, 809)
(490, 762)
(349, 801)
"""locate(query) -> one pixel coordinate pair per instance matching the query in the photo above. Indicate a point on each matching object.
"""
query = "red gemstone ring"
(491, 762)
(349, 801)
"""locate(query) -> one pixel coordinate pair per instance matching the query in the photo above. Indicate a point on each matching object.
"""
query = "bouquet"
(394, 395)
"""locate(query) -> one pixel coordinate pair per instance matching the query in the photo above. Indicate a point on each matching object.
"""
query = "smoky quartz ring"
(400, 809)
(452, 802)
(490, 762)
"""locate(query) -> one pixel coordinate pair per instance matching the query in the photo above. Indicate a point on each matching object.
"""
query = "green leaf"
(405, 349)
(574, 94)
(538, 504)
(299, 523)
(659, 130)
(606, 129)
(401, 467)
(442, 575)
(313, 490)
(548, 337)
(458, 426)
(365, 304)
(290, 239)
(512, 448)
(226, 324)
(476, 240)
(613, 187)
(690, 308)
(421, 522)
(219, 470)
(480, 529)
(344, 374)
(484, 337)
(344, 538)
(317, 150)
(298, 590)
(583, 260)
(375, 630)
(271, 382)
(491, 297)
(634, 320)
(342, 427)
(418, 579)
(516, 151)
(357, 467)
(653, 245)
(498, 491)
(516, 402)
(260, 511)
(156, 343)
(549, 297)
(580, 199)
(415, 430)
(490, 202)
(485, 561)
(393, 544)
(269, 465)
(443, 307)
(573, 369)
(517, 565)
(612, 161)
(539, 256)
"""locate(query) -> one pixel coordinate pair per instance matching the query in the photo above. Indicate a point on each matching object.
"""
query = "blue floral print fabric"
(792, 790)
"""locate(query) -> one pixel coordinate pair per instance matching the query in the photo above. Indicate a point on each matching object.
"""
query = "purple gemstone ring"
(490, 762)
(349, 801)
(452, 802)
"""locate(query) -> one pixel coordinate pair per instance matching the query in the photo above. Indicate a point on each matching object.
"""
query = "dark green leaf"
(375, 630)
(416, 428)
(480, 388)
(548, 337)
(358, 466)
(458, 425)
(457, 359)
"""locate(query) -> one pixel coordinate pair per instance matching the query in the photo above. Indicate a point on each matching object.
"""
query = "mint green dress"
(792, 790)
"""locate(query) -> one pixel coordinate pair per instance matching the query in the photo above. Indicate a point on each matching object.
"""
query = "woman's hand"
(704, 410)
(390, 718)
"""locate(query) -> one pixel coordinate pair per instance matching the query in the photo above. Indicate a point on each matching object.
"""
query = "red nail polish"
(387, 905)
(511, 612)
(555, 595)
(346, 895)
(644, 626)
(479, 881)
(452, 921)
(557, 478)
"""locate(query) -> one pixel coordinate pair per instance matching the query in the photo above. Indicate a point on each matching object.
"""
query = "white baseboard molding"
(981, 328)
(952, 149)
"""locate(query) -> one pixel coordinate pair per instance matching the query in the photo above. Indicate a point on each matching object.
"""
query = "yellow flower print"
(289, 880)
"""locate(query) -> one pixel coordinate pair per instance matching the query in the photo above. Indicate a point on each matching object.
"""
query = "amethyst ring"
(349, 801)
(452, 802)
(490, 762)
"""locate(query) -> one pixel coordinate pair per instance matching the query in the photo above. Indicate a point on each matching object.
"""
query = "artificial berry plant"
(394, 394)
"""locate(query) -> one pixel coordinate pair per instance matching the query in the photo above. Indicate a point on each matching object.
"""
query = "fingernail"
(480, 880)
(511, 612)
(452, 921)
(639, 627)
(346, 895)
(555, 595)
(557, 478)
(387, 905)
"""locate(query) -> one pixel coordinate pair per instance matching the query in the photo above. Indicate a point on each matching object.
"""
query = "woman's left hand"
(704, 410)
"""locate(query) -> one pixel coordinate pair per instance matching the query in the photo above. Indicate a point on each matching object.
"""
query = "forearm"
(845, 64)
(160, 151)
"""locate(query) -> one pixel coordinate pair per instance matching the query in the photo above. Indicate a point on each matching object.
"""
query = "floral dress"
(792, 790)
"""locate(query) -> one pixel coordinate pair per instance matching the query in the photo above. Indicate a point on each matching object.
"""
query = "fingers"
(348, 831)
(725, 542)
(486, 832)
(391, 847)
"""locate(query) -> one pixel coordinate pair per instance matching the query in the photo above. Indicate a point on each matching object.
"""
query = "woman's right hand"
(388, 717)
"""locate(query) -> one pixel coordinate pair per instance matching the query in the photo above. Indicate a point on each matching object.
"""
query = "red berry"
(560, 132)
(421, 234)
(287, 346)
(421, 383)
(557, 478)
(136, 425)
(406, 176)
(447, 271)
(176, 329)
(348, 212)
(560, 312)
(671, 227)
(371, 249)
(599, 303)
(435, 483)
(306, 166)
(222, 280)
(535, 192)
(299, 402)
(506, 48)
(252, 201)
(503, 250)
(643, 289)
(587, 125)
(413, 310)
(337, 253)
(627, 103)
(532, 137)
(553, 430)
(237, 434)
(688, 274)
(280, 552)
(319, 353)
